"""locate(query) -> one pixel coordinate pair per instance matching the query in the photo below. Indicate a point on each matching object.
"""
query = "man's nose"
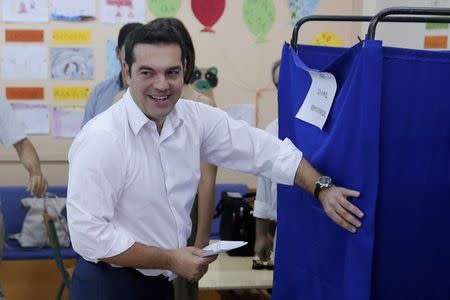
(161, 83)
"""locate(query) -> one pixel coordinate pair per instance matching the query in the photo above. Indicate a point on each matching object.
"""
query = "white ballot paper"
(221, 246)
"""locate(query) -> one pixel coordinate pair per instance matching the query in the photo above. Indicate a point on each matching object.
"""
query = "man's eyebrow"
(174, 68)
(145, 68)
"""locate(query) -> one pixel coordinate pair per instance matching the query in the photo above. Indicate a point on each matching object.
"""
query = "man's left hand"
(340, 209)
(37, 185)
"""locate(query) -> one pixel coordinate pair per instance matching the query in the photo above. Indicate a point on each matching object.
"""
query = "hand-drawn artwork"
(34, 117)
(204, 80)
(72, 63)
(208, 12)
(25, 10)
(259, 15)
(24, 62)
(67, 121)
(164, 8)
(301, 8)
(122, 11)
(79, 10)
(112, 63)
(327, 38)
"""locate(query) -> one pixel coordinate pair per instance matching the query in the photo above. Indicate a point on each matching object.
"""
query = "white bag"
(34, 232)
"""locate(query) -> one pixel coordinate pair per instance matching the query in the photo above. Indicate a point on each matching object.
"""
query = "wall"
(405, 35)
(244, 68)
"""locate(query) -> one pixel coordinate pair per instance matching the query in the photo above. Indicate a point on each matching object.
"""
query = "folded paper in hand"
(221, 246)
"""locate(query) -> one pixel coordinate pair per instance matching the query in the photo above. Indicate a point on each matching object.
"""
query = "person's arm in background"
(37, 185)
(206, 193)
(263, 213)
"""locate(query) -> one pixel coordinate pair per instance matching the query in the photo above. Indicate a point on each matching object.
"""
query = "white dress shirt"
(266, 190)
(11, 130)
(128, 184)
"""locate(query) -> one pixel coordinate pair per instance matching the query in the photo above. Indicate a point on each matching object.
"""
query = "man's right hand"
(188, 263)
(37, 185)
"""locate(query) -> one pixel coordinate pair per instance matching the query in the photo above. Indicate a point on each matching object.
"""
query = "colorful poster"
(72, 63)
(24, 62)
(259, 15)
(24, 35)
(164, 8)
(67, 121)
(436, 26)
(327, 38)
(70, 93)
(208, 12)
(72, 36)
(25, 93)
(33, 116)
(301, 8)
(79, 10)
(112, 63)
(435, 42)
(122, 11)
(25, 10)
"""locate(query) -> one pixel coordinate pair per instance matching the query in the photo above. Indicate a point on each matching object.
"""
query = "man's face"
(156, 79)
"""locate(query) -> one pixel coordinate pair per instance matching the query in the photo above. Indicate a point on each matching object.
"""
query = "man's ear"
(127, 72)
(118, 53)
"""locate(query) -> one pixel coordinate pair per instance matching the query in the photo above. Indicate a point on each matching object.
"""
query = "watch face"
(325, 181)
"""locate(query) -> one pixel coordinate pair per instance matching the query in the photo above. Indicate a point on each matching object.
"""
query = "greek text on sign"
(318, 101)
(72, 36)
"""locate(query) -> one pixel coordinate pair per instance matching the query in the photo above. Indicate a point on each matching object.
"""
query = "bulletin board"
(54, 51)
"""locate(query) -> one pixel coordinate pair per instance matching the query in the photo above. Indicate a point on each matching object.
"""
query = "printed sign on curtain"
(164, 8)
(208, 12)
(259, 15)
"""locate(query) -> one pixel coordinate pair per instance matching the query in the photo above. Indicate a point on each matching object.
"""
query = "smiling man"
(135, 169)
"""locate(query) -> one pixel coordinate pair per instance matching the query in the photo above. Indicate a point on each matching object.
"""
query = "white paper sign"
(24, 62)
(25, 10)
(34, 117)
(318, 101)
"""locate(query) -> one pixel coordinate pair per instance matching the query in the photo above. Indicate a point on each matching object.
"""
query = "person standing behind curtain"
(265, 210)
(103, 93)
(12, 133)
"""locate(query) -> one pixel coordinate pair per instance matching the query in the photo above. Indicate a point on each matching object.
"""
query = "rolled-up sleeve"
(236, 145)
(96, 176)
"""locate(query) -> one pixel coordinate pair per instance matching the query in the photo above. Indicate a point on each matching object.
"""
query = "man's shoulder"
(110, 121)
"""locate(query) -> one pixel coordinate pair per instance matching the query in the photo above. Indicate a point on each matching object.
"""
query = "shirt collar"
(137, 119)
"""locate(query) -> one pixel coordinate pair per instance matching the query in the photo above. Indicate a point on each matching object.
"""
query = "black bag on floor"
(237, 222)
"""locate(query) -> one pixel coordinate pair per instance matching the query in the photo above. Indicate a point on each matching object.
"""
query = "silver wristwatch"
(323, 183)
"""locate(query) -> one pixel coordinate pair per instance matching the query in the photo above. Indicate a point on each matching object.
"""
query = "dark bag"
(237, 222)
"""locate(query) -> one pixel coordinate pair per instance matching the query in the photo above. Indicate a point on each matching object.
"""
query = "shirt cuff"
(286, 163)
(263, 211)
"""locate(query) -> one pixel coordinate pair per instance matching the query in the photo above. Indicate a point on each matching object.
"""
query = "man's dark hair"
(158, 31)
(124, 31)
(190, 51)
(275, 67)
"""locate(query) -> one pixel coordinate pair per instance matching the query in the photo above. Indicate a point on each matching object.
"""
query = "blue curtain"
(388, 136)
